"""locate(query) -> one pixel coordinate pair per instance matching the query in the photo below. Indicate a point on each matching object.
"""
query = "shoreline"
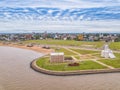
(34, 48)
(58, 73)
(34, 66)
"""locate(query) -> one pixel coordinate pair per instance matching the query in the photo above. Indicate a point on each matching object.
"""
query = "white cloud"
(62, 26)
(59, 3)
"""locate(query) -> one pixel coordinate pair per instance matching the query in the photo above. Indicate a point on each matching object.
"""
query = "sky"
(60, 16)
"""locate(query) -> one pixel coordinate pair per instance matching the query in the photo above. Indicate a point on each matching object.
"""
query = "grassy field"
(65, 42)
(66, 52)
(97, 55)
(113, 62)
(85, 51)
(99, 44)
(115, 45)
(85, 65)
(77, 57)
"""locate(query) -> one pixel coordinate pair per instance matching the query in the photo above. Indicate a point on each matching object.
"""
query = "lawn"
(66, 52)
(85, 65)
(115, 45)
(113, 62)
(99, 44)
(85, 51)
(77, 57)
(65, 42)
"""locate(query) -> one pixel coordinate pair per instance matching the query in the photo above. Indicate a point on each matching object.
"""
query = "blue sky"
(60, 15)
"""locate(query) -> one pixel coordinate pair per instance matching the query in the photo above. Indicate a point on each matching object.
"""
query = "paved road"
(16, 74)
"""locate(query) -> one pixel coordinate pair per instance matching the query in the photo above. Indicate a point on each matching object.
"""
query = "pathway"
(72, 51)
(110, 67)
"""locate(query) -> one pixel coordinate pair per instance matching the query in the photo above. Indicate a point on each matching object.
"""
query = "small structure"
(107, 53)
(30, 45)
(57, 57)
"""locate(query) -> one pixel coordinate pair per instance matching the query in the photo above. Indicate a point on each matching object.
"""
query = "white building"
(107, 53)
(57, 57)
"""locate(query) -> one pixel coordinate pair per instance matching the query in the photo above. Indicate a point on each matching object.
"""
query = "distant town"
(113, 37)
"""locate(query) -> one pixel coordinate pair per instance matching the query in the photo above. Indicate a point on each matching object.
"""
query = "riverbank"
(69, 73)
(69, 53)
(34, 48)
(16, 74)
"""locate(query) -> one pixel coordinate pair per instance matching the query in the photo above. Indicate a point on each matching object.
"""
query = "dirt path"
(34, 48)
(74, 58)
(76, 47)
(72, 51)
(95, 60)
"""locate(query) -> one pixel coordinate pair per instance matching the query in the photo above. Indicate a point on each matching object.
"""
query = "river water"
(16, 74)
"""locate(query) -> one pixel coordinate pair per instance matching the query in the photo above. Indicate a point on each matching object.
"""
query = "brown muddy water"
(16, 74)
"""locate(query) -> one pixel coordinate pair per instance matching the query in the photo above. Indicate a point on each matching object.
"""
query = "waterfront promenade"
(16, 74)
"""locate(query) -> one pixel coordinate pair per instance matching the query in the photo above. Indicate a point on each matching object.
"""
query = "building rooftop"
(58, 53)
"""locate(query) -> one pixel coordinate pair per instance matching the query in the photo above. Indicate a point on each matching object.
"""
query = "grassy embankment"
(85, 65)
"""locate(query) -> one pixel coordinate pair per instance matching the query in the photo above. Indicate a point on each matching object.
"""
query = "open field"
(85, 51)
(115, 45)
(85, 54)
(85, 65)
(86, 44)
(113, 62)
(66, 42)
(66, 52)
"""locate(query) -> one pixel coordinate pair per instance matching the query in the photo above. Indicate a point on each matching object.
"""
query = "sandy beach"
(34, 48)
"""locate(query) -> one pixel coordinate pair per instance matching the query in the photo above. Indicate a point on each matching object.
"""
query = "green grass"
(85, 51)
(77, 57)
(113, 62)
(99, 44)
(115, 45)
(66, 52)
(97, 55)
(65, 42)
(44, 63)
(85, 65)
